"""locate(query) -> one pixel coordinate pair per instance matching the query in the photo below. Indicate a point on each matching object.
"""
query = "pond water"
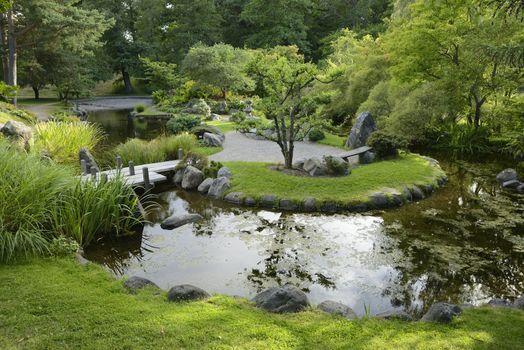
(119, 127)
(464, 245)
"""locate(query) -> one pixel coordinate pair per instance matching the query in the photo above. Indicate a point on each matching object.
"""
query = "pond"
(465, 244)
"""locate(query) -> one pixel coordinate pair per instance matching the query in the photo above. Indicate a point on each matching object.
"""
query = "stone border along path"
(238, 147)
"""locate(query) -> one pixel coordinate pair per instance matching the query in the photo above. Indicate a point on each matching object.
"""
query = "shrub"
(336, 167)
(198, 107)
(61, 141)
(10, 112)
(194, 159)
(140, 152)
(139, 108)
(386, 145)
(238, 117)
(316, 135)
(200, 130)
(90, 210)
(182, 122)
(62, 246)
(212, 169)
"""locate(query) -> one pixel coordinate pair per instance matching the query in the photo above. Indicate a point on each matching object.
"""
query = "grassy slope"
(256, 179)
(333, 140)
(57, 304)
(223, 125)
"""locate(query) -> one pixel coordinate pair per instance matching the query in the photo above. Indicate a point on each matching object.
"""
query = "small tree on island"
(283, 77)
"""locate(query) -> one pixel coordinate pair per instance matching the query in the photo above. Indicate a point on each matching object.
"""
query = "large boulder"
(234, 198)
(507, 175)
(134, 283)
(284, 299)
(85, 155)
(219, 187)
(335, 308)
(176, 221)
(441, 312)
(315, 167)
(224, 172)
(18, 133)
(212, 140)
(192, 178)
(186, 292)
(363, 127)
(205, 185)
(179, 176)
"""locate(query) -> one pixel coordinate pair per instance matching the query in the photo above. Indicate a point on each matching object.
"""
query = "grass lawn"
(208, 151)
(256, 180)
(333, 140)
(57, 304)
(222, 125)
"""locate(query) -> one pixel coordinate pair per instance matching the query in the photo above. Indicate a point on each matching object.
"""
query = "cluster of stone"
(509, 180)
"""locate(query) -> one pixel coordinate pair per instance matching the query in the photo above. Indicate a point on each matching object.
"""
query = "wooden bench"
(356, 152)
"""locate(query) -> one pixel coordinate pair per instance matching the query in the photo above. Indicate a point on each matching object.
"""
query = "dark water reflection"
(464, 244)
(119, 127)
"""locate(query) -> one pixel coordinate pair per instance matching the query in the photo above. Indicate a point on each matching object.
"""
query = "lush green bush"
(386, 145)
(336, 167)
(201, 129)
(61, 141)
(140, 152)
(171, 144)
(90, 210)
(28, 195)
(63, 246)
(238, 117)
(182, 122)
(194, 159)
(212, 169)
(316, 135)
(139, 108)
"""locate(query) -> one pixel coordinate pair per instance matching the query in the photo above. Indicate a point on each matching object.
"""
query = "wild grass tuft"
(61, 141)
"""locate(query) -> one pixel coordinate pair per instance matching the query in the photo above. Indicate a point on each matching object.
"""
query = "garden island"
(254, 174)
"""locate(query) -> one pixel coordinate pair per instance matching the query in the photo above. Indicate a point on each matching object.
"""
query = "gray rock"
(219, 187)
(319, 171)
(334, 308)
(180, 220)
(367, 158)
(186, 292)
(363, 127)
(80, 259)
(519, 303)
(329, 207)
(507, 175)
(284, 299)
(224, 171)
(336, 163)
(395, 315)
(134, 283)
(214, 116)
(288, 205)
(212, 140)
(222, 107)
(441, 312)
(234, 197)
(204, 186)
(357, 208)
(268, 201)
(85, 155)
(497, 302)
(406, 194)
(250, 202)
(18, 133)
(179, 176)
(416, 193)
(428, 189)
(192, 178)
(521, 188)
(299, 164)
(378, 200)
(395, 198)
(511, 184)
(310, 204)
(312, 163)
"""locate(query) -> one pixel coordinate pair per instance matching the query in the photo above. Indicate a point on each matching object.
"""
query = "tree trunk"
(12, 76)
(3, 35)
(128, 88)
(36, 90)
(224, 94)
(478, 110)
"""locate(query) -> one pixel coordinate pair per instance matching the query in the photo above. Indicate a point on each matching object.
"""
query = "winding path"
(238, 147)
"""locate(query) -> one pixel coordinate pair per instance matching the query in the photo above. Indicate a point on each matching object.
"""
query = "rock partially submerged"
(335, 308)
(176, 221)
(285, 299)
(192, 178)
(219, 187)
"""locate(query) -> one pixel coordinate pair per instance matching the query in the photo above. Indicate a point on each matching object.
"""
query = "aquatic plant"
(61, 141)
(140, 152)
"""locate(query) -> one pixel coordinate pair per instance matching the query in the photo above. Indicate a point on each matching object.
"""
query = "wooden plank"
(356, 152)
(162, 167)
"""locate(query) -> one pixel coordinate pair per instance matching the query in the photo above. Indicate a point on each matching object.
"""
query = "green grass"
(333, 140)
(57, 304)
(208, 151)
(256, 180)
(9, 112)
(223, 125)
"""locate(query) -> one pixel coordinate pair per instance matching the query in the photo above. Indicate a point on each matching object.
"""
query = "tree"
(220, 66)
(161, 75)
(29, 24)
(191, 22)
(277, 22)
(284, 78)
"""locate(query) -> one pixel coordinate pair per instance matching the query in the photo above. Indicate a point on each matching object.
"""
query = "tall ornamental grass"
(158, 150)
(40, 201)
(61, 141)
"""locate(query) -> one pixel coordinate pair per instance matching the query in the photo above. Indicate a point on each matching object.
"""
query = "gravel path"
(238, 147)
